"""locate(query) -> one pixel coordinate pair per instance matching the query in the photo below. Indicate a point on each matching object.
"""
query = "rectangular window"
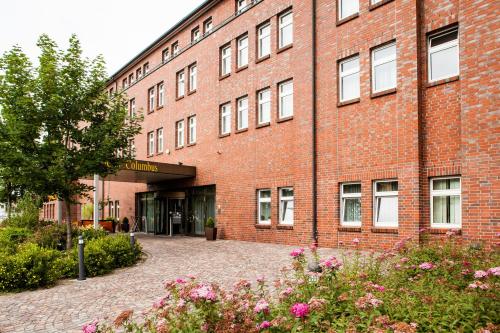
(243, 51)
(161, 94)
(225, 119)
(241, 5)
(151, 101)
(111, 91)
(446, 206)
(225, 60)
(175, 49)
(138, 73)
(130, 79)
(180, 84)
(264, 206)
(159, 139)
(111, 209)
(286, 205)
(285, 99)
(145, 69)
(443, 55)
(179, 130)
(349, 79)
(285, 29)
(264, 106)
(193, 77)
(375, 1)
(164, 55)
(347, 8)
(350, 205)
(384, 68)
(208, 26)
(195, 35)
(385, 203)
(242, 121)
(132, 107)
(117, 209)
(151, 143)
(192, 130)
(124, 83)
(131, 147)
(264, 41)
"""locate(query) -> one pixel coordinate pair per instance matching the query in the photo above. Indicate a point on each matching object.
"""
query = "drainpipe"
(96, 201)
(314, 161)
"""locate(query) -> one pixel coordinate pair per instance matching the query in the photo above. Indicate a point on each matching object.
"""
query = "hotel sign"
(141, 166)
(137, 171)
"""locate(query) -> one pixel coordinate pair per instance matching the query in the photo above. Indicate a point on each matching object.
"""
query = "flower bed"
(439, 287)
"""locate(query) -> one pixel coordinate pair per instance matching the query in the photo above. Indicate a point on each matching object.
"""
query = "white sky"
(117, 29)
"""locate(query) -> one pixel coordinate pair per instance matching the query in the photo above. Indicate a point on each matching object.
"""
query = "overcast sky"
(117, 29)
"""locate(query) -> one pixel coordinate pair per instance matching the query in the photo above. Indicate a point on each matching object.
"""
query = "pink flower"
(368, 301)
(287, 292)
(426, 265)
(332, 263)
(90, 328)
(300, 310)
(404, 260)
(261, 279)
(356, 241)
(203, 292)
(313, 247)
(297, 252)
(495, 271)
(479, 284)
(480, 274)
(180, 281)
(265, 324)
(261, 306)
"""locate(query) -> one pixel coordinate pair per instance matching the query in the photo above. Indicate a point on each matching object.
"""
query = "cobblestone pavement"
(68, 305)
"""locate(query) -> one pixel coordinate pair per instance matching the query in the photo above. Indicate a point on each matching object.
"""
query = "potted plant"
(125, 225)
(210, 229)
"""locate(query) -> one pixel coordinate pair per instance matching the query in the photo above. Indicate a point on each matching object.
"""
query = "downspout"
(314, 157)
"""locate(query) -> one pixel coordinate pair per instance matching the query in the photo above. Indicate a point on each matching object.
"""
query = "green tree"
(73, 128)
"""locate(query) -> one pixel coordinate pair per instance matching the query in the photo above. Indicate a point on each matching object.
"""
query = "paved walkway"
(70, 304)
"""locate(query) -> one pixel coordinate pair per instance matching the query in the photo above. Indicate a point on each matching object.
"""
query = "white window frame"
(225, 61)
(343, 74)
(152, 96)
(165, 55)
(192, 130)
(193, 77)
(383, 61)
(175, 49)
(225, 119)
(161, 94)
(195, 35)
(241, 5)
(132, 107)
(282, 26)
(282, 199)
(242, 113)
(179, 131)
(264, 38)
(342, 204)
(340, 9)
(208, 26)
(146, 68)
(376, 195)
(282, 96)
(442, 193)
(261, 103)
(181, 84)
(151, 143)
(243, 51)
(263, 200)
(159, 138)
(374, 2)
(117, 209)
(448, 45)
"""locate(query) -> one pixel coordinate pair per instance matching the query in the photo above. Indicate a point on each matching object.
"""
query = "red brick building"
(334, 119)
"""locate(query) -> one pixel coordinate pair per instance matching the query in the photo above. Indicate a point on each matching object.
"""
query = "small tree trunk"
(69, 241)
(9, 200)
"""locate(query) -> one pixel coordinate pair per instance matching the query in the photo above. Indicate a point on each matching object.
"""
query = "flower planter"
(106, 225)
(211, 233)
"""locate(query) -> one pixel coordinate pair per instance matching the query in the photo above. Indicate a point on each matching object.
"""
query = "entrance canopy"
(151, 172)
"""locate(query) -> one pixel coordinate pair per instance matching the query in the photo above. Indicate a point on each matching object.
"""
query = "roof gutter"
(314, 148)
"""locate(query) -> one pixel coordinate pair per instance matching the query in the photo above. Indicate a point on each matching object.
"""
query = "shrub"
(10, 237)
(90, 233)
(26, 213)
(52, 236)
(210, 223)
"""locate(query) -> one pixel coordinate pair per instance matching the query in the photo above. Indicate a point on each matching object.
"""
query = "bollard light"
(81, 266)
(132, 239)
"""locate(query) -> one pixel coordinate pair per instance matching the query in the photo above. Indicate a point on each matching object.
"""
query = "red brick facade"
(410, 134)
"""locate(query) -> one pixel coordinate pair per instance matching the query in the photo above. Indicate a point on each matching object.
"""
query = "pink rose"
(300, 310)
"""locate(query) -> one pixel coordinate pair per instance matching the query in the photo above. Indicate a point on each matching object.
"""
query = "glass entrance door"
(201, 207)
(160, 216)
(176, 216)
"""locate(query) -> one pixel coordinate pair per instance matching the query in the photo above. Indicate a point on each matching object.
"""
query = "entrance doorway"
(201, 206)
(176, 216)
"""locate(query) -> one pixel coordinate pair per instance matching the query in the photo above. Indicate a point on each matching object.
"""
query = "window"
(286, 99)
(264, 206)
(264, 106)
(195, 35)
(111, 208)
(350, 206)
(286, 205)
(117, 209)
(111, 92)
(225, 119)
(384, 68)
(180, 84)
(130, 79)
(347, 8)
(131, 146)
(385, 203)
(151, 143)
(349, 79)
(124, 83)
(132, 107)
(161, 94)
(241, 5)
(138, 73)
(159, 141)
(193, 75)
(192, 130)
(151, 104)
(243, 51)
(443, 55)
(264, 42)
(446, 207)
(164, 55)
(208, 26)
(146, 68)
(285, 29)
(225, 62)
(242, 121)
(375, 1)
(175, 49)
(180, 134)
